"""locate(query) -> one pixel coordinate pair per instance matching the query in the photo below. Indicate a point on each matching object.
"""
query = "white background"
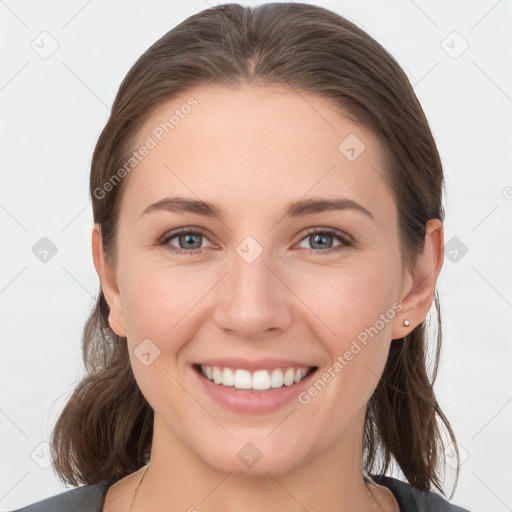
(52, 111)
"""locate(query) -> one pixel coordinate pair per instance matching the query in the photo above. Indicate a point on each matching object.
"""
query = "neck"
(178, 479)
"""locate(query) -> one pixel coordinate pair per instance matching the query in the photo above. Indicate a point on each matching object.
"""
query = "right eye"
(188, 241)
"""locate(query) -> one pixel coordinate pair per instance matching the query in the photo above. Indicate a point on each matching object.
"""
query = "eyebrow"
(295, 209)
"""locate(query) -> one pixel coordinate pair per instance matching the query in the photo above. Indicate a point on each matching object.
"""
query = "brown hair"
(105, 430)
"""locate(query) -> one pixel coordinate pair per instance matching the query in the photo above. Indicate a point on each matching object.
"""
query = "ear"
(108, 283)
(419, 288)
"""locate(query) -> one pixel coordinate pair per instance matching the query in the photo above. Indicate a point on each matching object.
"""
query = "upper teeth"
(259, 380)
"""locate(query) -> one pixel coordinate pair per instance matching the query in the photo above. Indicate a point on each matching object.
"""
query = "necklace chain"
(367, 480)
(137, 488)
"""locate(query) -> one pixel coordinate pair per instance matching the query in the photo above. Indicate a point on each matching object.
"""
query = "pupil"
(319, 236)
(190, 240)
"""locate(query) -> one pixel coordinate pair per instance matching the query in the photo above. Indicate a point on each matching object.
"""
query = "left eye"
(189, 241)
(324, 237)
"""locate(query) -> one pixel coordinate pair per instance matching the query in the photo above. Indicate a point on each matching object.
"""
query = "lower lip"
(252, 402)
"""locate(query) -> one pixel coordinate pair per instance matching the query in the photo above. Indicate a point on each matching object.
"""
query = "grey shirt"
(90, 498)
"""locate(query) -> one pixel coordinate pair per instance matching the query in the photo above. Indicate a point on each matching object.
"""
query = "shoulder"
(88, 498)
(413, 500)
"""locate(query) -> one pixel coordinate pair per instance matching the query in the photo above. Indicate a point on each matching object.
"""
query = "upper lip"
(254, 364)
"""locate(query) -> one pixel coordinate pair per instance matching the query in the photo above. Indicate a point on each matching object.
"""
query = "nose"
(254, 299)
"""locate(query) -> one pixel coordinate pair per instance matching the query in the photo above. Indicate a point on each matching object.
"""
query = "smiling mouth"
(260, 380)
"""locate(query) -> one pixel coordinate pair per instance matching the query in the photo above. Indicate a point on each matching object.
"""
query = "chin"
(275, 464)
(252, 455)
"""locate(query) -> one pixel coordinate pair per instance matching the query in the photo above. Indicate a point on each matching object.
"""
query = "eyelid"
(331, 231)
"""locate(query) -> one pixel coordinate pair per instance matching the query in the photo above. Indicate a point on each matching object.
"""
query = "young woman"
(268, 233)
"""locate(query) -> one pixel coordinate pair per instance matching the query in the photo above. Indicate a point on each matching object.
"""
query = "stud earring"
(407, 323)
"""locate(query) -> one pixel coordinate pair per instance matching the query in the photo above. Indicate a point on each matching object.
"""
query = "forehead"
(253, 142)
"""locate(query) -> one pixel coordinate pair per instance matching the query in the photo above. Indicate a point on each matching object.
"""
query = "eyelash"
(344, 239)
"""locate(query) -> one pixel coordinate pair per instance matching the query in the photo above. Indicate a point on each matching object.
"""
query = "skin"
(252, 151)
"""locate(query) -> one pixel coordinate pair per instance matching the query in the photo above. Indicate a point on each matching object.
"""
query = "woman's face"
(257, 289)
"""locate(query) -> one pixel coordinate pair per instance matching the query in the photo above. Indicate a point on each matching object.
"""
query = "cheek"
(159, 303)
(347, 299)
(353, 312)
(158, 297)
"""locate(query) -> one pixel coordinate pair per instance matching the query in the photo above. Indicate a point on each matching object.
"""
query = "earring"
(407, 323)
